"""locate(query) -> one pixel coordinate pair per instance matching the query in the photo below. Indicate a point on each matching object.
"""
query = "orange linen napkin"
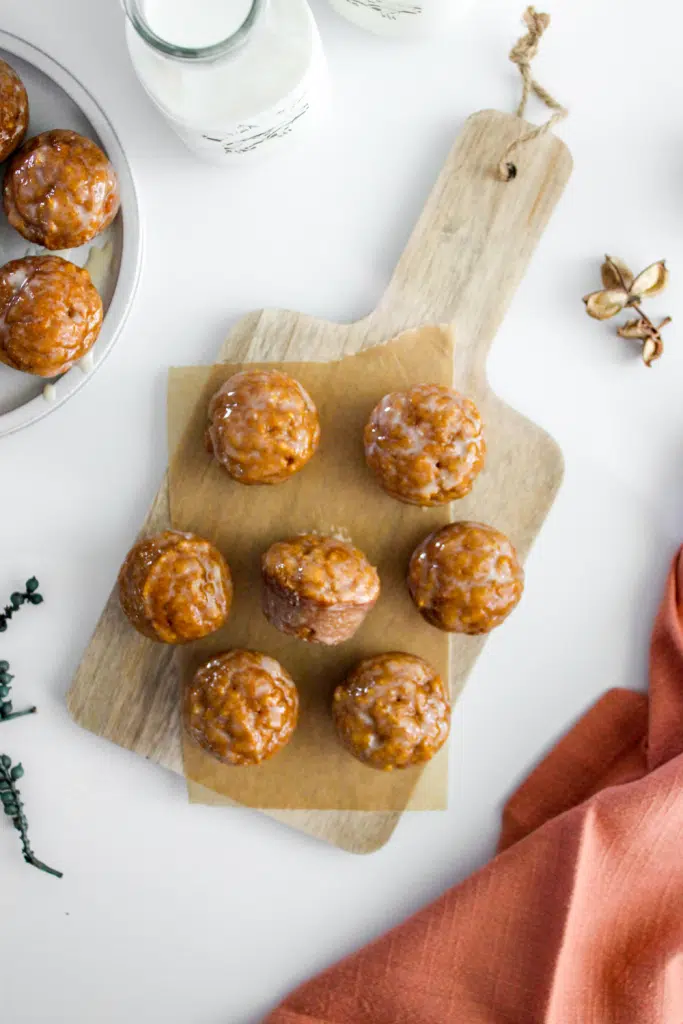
(579, 920)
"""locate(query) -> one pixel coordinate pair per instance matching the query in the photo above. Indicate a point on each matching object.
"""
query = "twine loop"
(522, 54)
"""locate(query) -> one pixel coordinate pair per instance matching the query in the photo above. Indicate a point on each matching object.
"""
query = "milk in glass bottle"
(236, 79)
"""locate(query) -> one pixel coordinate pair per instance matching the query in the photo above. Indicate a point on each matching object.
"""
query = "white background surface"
(189, 915)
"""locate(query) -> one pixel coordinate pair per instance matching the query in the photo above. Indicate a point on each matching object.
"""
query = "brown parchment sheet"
(334, 492)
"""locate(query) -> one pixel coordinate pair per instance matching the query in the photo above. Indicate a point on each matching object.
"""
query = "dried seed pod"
(650, 281)
(638, 329)
(615, 274)
(605, 304)
(652, 349)
(622, 291)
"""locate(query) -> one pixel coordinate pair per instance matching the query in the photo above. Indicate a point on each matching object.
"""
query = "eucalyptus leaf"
(13, 807)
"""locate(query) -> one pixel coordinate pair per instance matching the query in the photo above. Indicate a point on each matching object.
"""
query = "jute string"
(522, 54)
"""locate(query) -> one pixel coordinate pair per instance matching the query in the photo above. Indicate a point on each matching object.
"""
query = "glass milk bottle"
(402, 17)
(236, 79)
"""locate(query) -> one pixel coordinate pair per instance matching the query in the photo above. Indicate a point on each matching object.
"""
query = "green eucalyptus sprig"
(10, 797)
(14, 809)
(6, 707)
(17, 599)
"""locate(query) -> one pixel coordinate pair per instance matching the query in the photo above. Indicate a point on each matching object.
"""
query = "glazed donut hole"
(425, 445)
(392, 711)
(263, 427)
(241, 707)
(317, 588)
(14, 110)
(50, 314)
(175, 587)
(60, 190)
(465, 578)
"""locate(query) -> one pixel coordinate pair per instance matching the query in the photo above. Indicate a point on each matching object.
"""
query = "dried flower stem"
(14, 809)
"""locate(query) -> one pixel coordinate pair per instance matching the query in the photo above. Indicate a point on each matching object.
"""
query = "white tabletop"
(190, 915)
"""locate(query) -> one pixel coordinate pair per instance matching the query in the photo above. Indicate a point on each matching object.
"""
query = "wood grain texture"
(462, 265)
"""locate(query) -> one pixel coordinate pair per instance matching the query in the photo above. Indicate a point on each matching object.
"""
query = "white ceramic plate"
(58, 100)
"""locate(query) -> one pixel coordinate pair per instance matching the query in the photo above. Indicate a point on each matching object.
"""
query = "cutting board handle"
(475, 237)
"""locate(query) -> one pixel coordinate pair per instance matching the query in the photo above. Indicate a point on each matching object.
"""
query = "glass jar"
(402, 17)
(236, 79)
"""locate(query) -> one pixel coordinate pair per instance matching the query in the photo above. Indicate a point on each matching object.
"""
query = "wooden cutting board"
(462, 265)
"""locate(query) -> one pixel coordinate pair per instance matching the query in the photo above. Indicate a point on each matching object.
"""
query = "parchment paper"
(335, 491)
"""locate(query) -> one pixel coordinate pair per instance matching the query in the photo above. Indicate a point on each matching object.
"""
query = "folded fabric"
(579, 919)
